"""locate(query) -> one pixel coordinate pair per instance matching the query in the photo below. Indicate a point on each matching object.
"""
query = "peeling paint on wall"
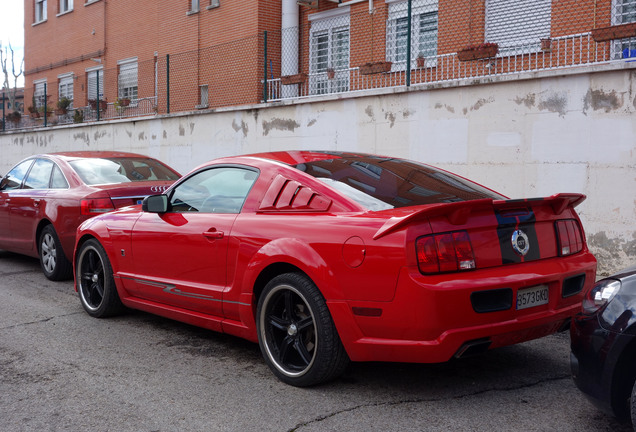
(390, 117)
(369, 112)
(448, 108)
(240, 127)
(555, 102)
(280, 124)
(612, 253)
(181, 130)
(529, 100)
(600, 100)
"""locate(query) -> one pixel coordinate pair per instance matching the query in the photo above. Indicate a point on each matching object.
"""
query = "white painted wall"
(523, 138)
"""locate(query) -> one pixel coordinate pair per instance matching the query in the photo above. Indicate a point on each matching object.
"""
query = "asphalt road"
(62, 370)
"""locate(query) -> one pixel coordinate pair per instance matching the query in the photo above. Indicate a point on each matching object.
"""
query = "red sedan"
(329, 257)
(45, 197)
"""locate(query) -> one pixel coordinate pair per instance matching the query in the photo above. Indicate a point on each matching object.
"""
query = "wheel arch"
(38, 232)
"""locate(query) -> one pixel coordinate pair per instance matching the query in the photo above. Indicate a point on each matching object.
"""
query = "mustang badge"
(520, 242)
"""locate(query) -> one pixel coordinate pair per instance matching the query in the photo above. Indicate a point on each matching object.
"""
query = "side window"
(40, 175)
(58, 181)
(216, 190)
(14, 178)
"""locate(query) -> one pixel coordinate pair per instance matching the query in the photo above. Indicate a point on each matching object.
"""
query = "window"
(40, 11)
(216, 190)
(39, 93)
(65, 6)
(203, 97)
(623, 12)
(423, 33)
(40, 175)
(194, 6)
(329, 55)
(92, 77)
(518, 25)
(127, 79)
(65, 88)
(58, 181)
(14, 178)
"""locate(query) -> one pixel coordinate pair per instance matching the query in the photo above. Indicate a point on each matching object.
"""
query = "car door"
(180, 257)
(27, 204)
(8, 187)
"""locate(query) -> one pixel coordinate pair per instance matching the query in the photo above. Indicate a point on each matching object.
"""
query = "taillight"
(95, 206)
(445, 252)
(569, 236)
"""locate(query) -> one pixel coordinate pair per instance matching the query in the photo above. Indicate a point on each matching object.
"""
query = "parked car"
(603, 335)
(328, 257)
(45, 197)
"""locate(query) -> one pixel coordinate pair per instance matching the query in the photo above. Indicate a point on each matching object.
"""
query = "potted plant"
(546, 44)
(421, 60)
(103, 104)
(331, 73)
(46, 110)
(78, 116)
(14, 117)
(33, 112)
(478, 51)
(62, 106)
(123, 101)
(375, 67)
(298, 78)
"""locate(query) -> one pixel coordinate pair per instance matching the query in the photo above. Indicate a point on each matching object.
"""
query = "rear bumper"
(432, 319)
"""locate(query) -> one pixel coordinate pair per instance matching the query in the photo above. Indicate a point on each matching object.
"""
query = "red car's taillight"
(569, 236)
(95, 206)
(445, 252)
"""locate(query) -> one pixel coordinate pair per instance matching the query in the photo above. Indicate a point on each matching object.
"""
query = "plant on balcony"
(421, 60)
(298, 78)
(604, 34)
(14, 117)
(78, 116)
(62, 106)
(478, 51)
(103, 104)
(331, 73)
(122, 102)
(375, 67)
(33, 111)
(45, 109)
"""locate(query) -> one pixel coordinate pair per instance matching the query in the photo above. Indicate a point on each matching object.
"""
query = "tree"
(4, 57)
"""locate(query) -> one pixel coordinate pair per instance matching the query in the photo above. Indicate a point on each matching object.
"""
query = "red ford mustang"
(45, 197)
(327, 257)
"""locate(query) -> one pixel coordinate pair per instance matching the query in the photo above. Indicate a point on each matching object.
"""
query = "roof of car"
(95, 154)
(306, 156)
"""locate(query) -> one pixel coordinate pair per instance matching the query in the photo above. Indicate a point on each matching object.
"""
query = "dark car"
(603, 357)
(45, 197)
(327, 257)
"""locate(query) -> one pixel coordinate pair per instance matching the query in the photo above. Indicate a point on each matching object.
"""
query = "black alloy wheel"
(296, 333)
(95, 282)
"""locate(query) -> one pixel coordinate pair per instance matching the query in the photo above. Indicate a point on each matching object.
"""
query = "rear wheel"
(95, 282)
(296, 333)
(52, 259)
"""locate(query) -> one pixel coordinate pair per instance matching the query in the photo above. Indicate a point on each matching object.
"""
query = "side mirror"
(155, 204)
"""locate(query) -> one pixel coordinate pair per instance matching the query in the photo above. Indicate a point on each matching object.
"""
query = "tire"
(632, 404)
(296, 333)
(95, 283)
(54, 263)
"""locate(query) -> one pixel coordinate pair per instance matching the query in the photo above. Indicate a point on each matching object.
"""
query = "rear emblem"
(520, 242)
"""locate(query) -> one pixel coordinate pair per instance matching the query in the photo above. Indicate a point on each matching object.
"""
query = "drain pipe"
(289, 45)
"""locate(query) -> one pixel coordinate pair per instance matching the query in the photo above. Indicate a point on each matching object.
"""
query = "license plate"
(530, 297)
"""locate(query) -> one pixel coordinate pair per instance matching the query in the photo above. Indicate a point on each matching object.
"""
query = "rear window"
(96, 171)
(383, 183)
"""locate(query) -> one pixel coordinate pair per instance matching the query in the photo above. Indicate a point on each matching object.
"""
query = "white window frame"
(334, 25)
(39, 87)
(65, 87)
(91, 76)
(128, 79)
(65, 6)
(195, 6)
(40, 11)
(518, 26)
(621, 16)
(398, 11)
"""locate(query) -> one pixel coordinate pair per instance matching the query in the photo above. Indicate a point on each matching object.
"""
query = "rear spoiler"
(457, 213)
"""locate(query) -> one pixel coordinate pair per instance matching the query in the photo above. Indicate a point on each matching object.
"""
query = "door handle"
(213, 234)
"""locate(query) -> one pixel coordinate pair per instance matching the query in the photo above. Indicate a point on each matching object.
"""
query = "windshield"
(96, 171)
(379, 183)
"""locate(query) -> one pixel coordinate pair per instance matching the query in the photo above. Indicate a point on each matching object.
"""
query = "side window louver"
(285, 195)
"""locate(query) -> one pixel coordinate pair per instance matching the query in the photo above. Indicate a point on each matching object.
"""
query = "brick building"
(190, 54)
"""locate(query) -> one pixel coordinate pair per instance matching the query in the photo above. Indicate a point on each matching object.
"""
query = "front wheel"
(95, 282)
(54, 264)
(296, 333)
